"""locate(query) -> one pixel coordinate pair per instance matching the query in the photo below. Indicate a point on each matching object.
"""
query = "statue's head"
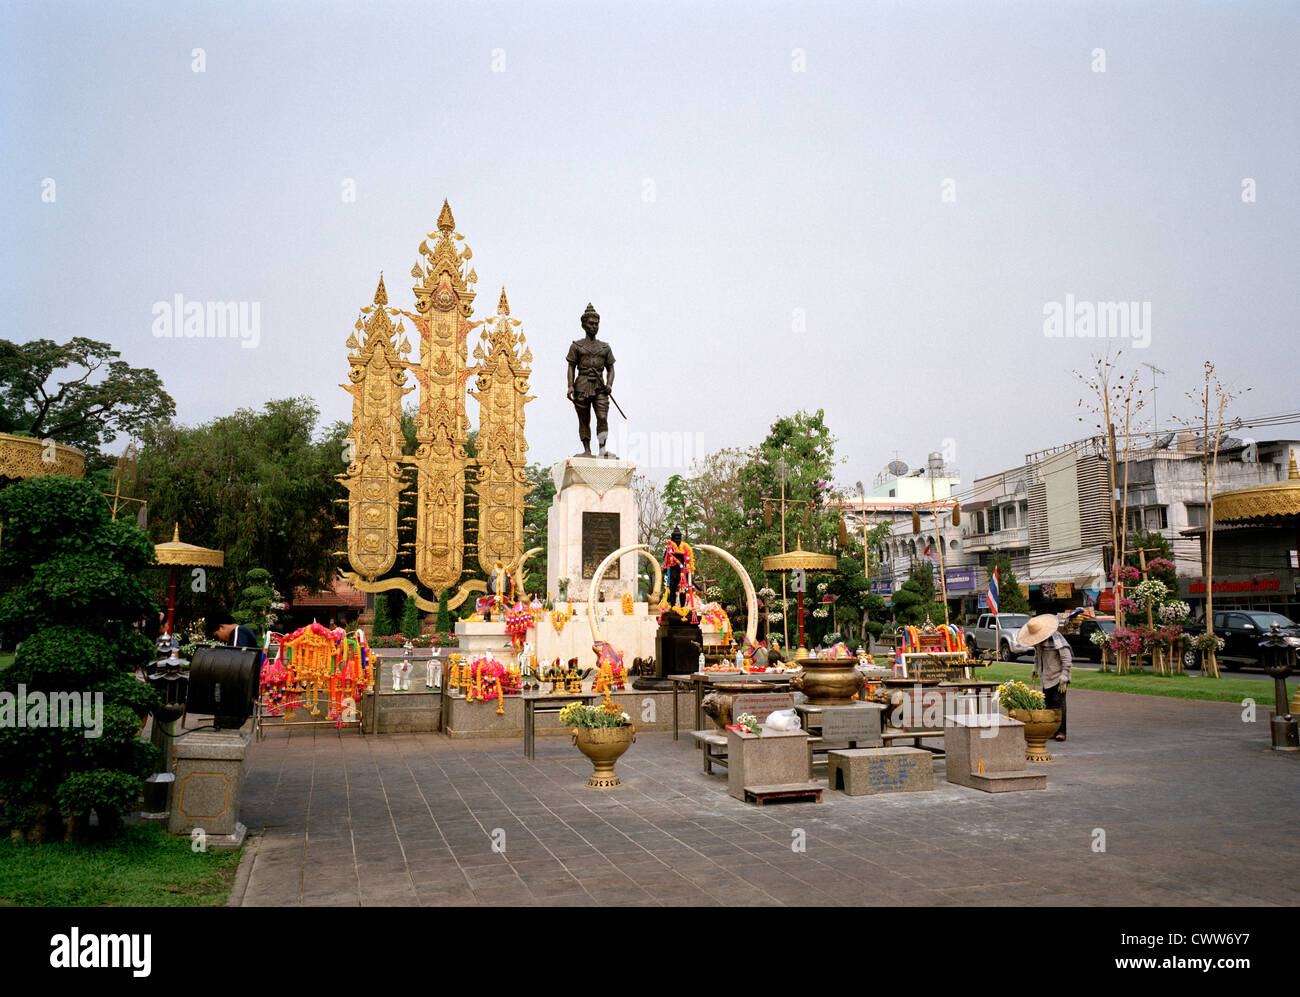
(590, 320)
(677, 535)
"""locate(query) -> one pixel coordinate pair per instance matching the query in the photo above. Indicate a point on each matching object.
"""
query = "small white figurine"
(401, 675)
(433, 673)
(402, 670)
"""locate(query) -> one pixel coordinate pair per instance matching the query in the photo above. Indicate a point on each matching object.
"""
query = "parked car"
(1080, 637)
(997, 632)
(1241, 630)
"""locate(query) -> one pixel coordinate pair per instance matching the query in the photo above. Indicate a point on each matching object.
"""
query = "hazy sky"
(861, 207)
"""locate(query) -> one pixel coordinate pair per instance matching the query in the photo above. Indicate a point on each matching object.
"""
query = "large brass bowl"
(830, 682)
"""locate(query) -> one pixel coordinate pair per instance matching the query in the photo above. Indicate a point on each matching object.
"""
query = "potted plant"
(602, 733)
(1028, 706)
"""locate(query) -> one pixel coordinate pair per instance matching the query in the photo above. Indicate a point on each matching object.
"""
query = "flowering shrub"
(1174, 612)
(1167, 636)
(1127, 641)
(1100, 638)
(1018, 696)
(1150, 593)
(1126, 573)
(1129, 607)
(1160, 566)
(1208, 642)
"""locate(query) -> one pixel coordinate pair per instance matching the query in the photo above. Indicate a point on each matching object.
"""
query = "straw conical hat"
(1037, 630)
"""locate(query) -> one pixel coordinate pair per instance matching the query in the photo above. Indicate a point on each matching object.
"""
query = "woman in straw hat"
(1052, 660)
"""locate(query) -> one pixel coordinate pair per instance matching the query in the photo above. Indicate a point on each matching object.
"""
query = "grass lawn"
(1225, 690)
(6, 660)
(145, 867)
(1175, 686)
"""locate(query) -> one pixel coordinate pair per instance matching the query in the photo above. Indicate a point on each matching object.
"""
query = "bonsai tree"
(74, 596)
(256, 603)
(915, 598)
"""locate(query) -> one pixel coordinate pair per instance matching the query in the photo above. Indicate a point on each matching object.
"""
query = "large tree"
(78, 393)
(799, 450)
(259, 485)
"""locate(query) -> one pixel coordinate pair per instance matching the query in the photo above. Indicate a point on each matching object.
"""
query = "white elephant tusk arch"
(751, 598)
(594, 591)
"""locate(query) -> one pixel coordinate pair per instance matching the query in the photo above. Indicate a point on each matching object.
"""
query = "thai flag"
(993, 593)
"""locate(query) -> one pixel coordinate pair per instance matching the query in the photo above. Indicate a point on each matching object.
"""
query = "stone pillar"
(209, 772)
(593, 514)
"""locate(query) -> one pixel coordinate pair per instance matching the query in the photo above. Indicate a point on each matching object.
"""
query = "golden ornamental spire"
(375, 480)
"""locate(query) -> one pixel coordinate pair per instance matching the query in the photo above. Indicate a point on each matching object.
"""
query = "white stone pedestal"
(632, 636)
(476, 639)
(590, 485)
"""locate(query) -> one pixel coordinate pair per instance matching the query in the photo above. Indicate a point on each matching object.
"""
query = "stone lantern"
(1279, 657)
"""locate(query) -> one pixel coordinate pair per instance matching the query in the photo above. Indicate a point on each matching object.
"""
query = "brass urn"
(1039, 726)
(603, 746)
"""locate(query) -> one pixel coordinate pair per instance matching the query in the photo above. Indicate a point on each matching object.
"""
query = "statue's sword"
(617, 405)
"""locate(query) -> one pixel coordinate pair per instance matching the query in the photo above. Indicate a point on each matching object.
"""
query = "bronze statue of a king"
(591, 382)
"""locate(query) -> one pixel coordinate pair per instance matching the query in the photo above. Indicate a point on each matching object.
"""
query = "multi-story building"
(1052, 518)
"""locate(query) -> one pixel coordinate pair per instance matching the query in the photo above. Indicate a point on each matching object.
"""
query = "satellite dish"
(897, 468)
(1164, 441)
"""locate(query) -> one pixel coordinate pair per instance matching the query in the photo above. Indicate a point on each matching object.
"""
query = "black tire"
(1004, 651)
(1191, 659)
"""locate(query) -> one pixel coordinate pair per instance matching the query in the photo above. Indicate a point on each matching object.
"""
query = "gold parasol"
(176, 554)
(800, 560)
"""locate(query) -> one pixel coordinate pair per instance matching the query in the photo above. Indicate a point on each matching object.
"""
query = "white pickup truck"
(997, 633)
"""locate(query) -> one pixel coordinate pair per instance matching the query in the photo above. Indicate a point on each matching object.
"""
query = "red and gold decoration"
(315, 663)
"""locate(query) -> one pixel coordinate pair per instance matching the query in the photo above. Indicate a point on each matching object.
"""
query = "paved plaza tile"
(1194, 808)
